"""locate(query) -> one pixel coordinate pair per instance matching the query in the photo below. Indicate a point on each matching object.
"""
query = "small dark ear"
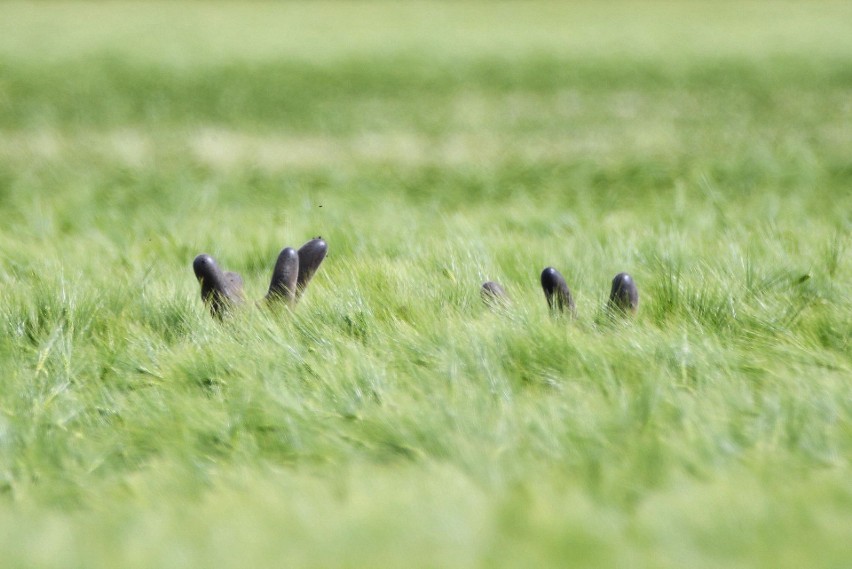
(311, 255)
(556, 292)
(493, 294)
(282, 286)
(624, 295)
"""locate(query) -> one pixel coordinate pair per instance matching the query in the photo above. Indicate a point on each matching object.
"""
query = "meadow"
(391, 419)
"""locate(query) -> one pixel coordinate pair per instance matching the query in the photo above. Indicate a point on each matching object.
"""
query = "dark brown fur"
(556, 291)
(220, 290)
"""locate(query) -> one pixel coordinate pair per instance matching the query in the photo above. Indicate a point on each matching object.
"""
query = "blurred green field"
(392, 419)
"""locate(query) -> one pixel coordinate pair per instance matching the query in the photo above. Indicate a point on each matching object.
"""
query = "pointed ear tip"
(492, 288)
(315, 246)
(202, 258)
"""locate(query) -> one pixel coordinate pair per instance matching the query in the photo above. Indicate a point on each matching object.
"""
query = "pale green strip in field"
(214, 32)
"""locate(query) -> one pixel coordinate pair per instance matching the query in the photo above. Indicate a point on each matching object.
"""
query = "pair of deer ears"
(624, 296)
(293, 270)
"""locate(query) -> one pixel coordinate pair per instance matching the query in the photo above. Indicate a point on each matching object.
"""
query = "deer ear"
(624, 296)
(282, 286)
(219, 290)
(556, 292)
(311, 255)
(494, 295)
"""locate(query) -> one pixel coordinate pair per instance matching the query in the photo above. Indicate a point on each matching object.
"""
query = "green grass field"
(393, 420)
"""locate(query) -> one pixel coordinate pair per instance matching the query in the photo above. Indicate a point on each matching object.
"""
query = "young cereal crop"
(384, 415)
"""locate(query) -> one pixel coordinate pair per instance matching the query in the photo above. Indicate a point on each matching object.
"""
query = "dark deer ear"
(219, 290)
(624, 296)
(282, 286)
(311, 255)
(494, 295)
(556, 292)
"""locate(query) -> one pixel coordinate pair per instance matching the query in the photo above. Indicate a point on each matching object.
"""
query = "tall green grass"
(392, 419)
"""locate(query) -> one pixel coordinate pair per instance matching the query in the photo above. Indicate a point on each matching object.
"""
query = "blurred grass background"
(703, 147)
